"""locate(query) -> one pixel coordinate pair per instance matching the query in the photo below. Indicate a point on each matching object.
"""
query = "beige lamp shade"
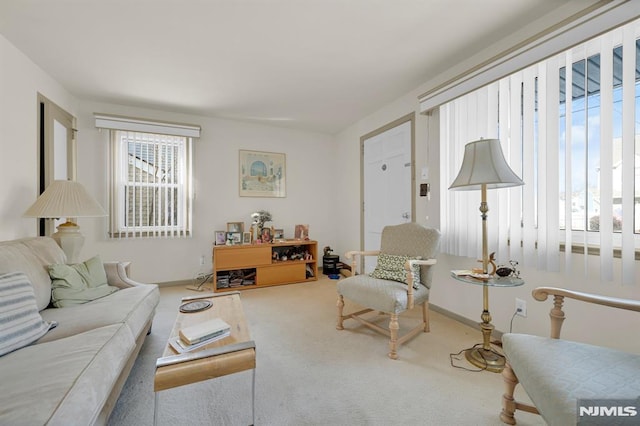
(484, 163)
(65, 198)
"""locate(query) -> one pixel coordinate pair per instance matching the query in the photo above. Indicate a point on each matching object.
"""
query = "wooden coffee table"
(229, 355)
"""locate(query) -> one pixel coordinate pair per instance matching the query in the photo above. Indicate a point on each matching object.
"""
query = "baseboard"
(182, 283)
(466, 321)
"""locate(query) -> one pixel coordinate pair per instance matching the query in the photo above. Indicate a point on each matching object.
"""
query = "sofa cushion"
(79, 283)
(392, 267)
(20, 321)
(133, 306)
(65, 382)
(32, 256)
(572, 371)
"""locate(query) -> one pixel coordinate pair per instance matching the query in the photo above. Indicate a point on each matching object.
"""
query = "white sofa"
(75, 372)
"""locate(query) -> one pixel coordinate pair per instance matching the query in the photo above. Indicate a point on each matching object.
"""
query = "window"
(151, 183)
(570, 127)
(151, 180)
(586, 165)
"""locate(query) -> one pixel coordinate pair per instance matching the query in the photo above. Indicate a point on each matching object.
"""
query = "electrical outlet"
(521, 307)
(202, 260)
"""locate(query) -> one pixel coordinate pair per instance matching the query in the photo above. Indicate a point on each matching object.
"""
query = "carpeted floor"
(309, 373)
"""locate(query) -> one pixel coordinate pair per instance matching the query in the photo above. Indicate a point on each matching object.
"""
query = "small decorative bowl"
(504, 271)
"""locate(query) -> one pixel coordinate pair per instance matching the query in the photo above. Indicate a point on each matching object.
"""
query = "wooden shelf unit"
(239, 267)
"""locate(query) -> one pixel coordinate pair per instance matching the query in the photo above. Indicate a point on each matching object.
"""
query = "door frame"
(48, 112)
(411, 117)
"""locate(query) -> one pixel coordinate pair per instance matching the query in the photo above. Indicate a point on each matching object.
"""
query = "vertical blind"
(150, 177)
(150, 185)
(568, 127)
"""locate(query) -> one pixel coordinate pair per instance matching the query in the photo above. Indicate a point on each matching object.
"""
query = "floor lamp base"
(486, 359)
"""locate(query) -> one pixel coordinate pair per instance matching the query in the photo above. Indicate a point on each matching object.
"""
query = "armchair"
(415, 247)
(557, 373)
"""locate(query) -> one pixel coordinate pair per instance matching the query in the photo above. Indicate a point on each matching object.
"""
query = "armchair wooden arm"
(557, 314)
(407, 267)
(356, 255)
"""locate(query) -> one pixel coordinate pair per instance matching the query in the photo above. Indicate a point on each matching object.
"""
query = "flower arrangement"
(260, 218)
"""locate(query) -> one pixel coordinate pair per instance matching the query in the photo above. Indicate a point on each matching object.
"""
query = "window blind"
(150, 177)
(568, 126)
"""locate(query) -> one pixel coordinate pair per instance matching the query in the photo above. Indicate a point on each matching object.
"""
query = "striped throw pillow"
(20, 321)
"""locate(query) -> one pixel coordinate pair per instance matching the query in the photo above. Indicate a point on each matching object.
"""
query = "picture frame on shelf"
(278, 234)
(235, 227)
(301, 232)
(221, 238)
(246, 238)
(266, 236)
(234, 237)
(262, 174)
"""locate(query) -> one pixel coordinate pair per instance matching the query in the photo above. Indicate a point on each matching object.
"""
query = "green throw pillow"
(391, 267)
(79, 283)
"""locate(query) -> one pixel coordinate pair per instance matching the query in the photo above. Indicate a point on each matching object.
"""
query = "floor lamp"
(484, 167)
(69, 199)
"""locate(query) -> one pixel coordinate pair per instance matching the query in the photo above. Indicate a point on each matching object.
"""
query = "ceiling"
(316, 65)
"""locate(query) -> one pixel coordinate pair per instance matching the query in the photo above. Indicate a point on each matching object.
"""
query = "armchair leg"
(393, 343)
(508, 403)
(425, 316)
(340, 305)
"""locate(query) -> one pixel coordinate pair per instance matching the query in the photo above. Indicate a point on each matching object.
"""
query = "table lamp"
(484, 167)
(69, 199)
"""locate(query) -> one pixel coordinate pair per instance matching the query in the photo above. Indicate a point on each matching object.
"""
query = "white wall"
(20, 82)
(311, 183)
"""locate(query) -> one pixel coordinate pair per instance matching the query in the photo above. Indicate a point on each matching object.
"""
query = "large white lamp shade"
(484, 164)
(68, 199)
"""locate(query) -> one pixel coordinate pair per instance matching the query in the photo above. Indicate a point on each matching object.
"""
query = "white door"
(388, 183)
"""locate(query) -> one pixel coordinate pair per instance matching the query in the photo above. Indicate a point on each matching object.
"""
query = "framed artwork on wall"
(262, 174)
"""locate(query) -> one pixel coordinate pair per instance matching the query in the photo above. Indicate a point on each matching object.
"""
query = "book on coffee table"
(205, 330)
(181, 347)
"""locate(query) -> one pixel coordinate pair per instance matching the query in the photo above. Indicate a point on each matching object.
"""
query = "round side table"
(484, 357)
